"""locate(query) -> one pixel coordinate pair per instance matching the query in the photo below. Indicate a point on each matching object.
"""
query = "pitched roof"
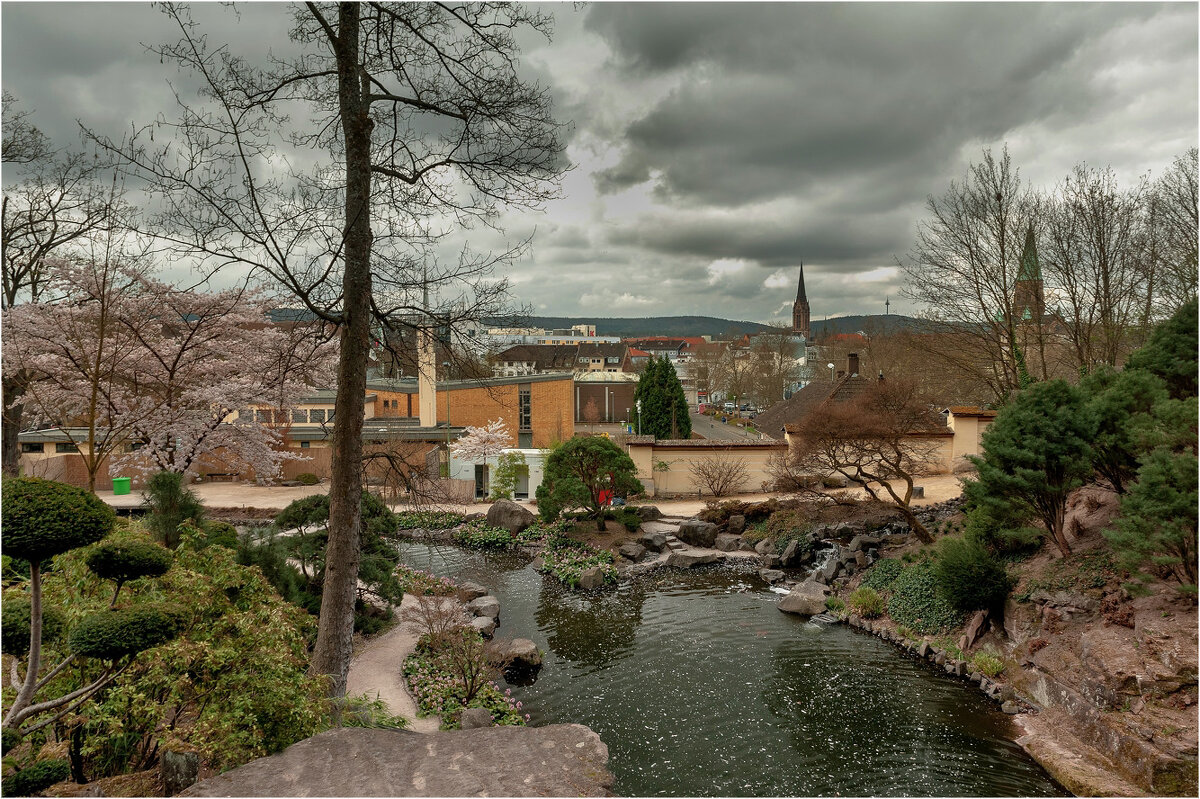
(543, 356)
(971, 410)
(792, 411)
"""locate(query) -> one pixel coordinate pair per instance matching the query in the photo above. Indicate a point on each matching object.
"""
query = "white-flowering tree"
(480, 443)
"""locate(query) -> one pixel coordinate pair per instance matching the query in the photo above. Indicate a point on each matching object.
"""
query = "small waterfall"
(824, 556)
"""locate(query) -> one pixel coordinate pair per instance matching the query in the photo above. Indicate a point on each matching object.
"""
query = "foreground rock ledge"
(558, 760)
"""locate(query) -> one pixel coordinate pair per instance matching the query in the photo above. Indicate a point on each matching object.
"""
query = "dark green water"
(701, 687)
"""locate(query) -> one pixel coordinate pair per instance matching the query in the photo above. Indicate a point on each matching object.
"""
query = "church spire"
(800, 309)
(800, 295)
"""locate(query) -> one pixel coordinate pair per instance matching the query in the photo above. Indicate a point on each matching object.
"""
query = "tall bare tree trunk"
(13, 387)
(331, 656)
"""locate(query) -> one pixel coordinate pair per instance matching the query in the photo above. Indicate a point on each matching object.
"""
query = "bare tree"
(419, 121)
(1173, 201)
(721, 474)
(880, 441)
(964, 267)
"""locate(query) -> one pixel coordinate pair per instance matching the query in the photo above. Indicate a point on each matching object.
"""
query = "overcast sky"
(717, 146)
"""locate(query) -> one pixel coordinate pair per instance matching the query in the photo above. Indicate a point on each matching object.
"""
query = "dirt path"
(377, 669)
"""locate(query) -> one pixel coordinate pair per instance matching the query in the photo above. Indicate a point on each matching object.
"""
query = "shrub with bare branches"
(720, 474)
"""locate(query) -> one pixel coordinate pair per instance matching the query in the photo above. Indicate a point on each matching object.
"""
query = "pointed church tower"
(1029, 296)
(800, 310)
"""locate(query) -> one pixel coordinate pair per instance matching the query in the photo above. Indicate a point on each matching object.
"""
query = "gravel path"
(377, 669)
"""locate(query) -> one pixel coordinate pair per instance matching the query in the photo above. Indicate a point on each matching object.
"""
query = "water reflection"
(701, 687)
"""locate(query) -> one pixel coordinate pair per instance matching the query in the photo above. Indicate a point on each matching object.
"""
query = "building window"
(524, 407)
(61, 448)
(317, 415)
(262, 417)
(33, 446)
(305, 444)
(299, 416)
(134, 446)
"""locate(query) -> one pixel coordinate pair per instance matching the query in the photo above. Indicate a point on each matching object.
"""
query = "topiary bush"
(14, 625)
(34, 779)
(307, 479)
(916, 602)
(115, 633)
(221, 534)
(42, 518)
(969, 577)
(882, 574)
(125, 560)
(866, 602)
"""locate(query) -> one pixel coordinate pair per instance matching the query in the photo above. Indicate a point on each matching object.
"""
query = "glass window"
(66, 447)
(305, 444)
(262, 417)
(525, 407)
(316, 415)
(299, 416)
(33, 446)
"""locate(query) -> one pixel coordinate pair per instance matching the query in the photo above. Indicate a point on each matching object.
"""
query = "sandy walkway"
(377, 669)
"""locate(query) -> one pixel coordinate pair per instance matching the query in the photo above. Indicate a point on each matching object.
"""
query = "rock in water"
(487, 606)
(485, 624)
(471, 590)
(591, 579)
(806, 599)
(556, 760)
(653, 541)
(697, 533)
(686, 560)
(509, 515)
(522, 656)
(632, 550)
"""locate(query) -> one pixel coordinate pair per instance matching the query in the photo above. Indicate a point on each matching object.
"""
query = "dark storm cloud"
(776, 102)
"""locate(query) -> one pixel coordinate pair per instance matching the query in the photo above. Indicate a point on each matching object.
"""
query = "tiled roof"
(971, 410)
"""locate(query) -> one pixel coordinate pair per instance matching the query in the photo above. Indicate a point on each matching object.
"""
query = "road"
(707, 427)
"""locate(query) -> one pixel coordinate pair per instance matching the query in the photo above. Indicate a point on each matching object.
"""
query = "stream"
(701, 687)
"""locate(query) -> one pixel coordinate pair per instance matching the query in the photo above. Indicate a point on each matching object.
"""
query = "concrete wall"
(535, 460)
(677, 477)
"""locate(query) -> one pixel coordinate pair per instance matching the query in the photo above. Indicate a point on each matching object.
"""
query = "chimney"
(853, 366)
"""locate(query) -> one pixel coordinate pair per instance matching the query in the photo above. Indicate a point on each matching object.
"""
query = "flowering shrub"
(429, 519)
(481, 535)
(438, 692)
(540, 532)
(565, 559)
(415, 581)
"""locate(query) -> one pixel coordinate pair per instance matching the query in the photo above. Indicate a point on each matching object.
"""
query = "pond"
(701, 687)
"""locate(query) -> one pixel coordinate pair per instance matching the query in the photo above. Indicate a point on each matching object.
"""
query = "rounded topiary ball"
(14, 626)
(122, 561)
(38, 777)
(42, 518)
(115, 633)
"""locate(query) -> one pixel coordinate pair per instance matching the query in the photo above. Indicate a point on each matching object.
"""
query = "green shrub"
(787, 524)
(125, 560)
(481, 535)
(970, 577)
(14, 625)
(987, 663)
(628, 517)
(509, 468)
(997, 537)
(916, 603)
(115, 633)
(565, 559)
(34, 779)
(834, 604)
(42, 518)
(882, 574)
(221, 534)
(866, 602)
(307, 479)
(171, 504)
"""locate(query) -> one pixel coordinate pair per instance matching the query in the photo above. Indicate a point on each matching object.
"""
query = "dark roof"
(710, 443)
(806, 400)
(971, 410)
(602, 350)
(408, 385)
(543, 356)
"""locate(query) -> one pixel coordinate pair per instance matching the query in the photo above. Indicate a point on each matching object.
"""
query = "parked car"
(729, 406)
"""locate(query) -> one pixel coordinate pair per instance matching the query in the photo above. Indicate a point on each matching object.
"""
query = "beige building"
(668, 467)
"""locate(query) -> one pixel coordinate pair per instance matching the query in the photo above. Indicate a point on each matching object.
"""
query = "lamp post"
(638, 404)
(830, 372)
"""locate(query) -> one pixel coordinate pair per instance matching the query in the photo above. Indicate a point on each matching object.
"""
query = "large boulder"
(697, 533)
(469, 590)
(806, 599)
(765, 546)
(486, 625)
(653, 541)
(788, 557)
(473, 718)
(736, 524)
(771, 576)
(686, 560)
(555, 760)
(648, 512)
(487, 606)
(591, 579)
(522, 655)
(863, 541)
(632, 550)
(509, 515)
(727, 542)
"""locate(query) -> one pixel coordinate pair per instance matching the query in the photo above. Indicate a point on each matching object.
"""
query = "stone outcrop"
(697, 533)
(727, 542)
(632, 550)
(556, 760)
(509, 515)
(685, 559)
(656, 542)
(475, 717)
(591, 579)
(806, 599)
(521, 657)
(487, 606)
(736, 524)
(648, 513)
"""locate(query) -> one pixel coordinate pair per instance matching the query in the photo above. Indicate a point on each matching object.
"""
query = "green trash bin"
(121, 485)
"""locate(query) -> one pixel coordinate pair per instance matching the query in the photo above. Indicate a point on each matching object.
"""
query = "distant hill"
(653, 325)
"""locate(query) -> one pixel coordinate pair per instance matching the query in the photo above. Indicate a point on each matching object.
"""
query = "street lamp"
(638, 404)
(830, 372)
